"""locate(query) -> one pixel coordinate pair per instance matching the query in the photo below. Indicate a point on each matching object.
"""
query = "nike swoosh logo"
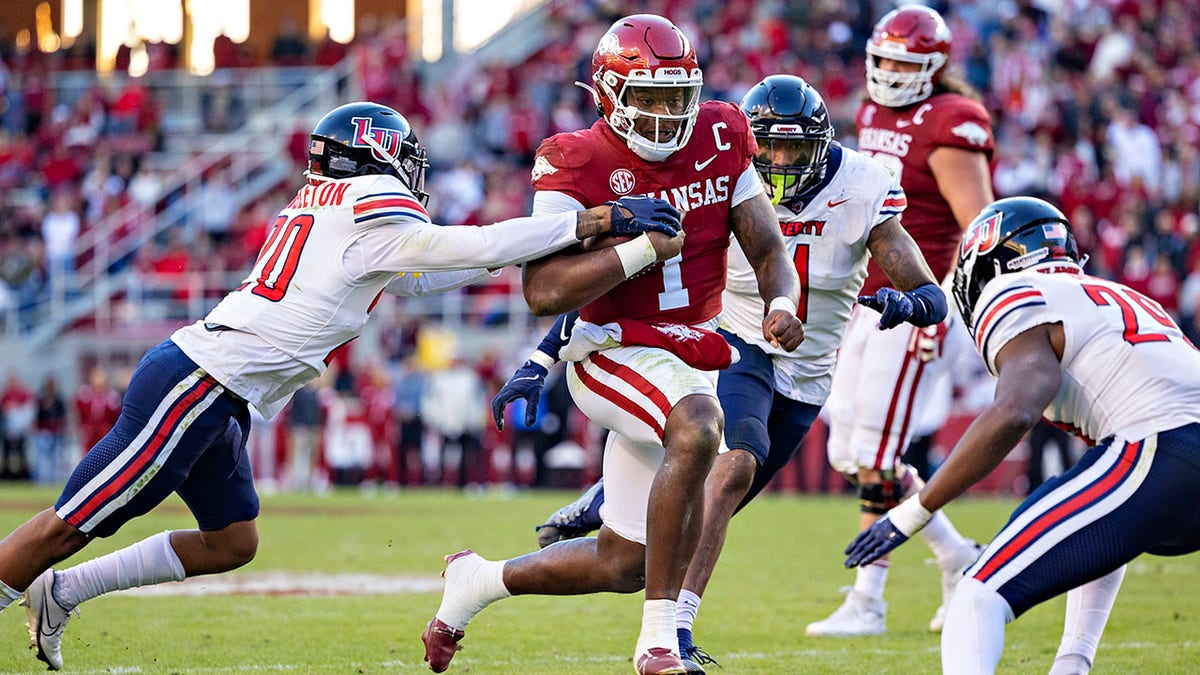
(832, 203)
(518, 379)
(700, 165)
(900, 124)
(45, 628)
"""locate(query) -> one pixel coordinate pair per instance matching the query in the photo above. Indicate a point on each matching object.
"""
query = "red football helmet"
(913, 34)
(646, 52)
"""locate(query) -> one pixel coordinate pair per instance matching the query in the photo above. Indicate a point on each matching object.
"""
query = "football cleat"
(441, 643)
(858, 616)
(46, 620)
(693, 657)
(950, 577)
(440, 638)
(660, 661)
(576, 519)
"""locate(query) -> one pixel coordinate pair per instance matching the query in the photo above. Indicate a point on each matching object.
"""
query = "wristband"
(542, 359)
(636, 254)
(783, 303)
(909, 516)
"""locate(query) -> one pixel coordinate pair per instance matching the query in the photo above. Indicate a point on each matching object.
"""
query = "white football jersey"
(331, 253)
(827, 240)
(1127, 368)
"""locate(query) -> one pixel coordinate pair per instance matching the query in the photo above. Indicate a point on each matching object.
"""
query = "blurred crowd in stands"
(1096, 107)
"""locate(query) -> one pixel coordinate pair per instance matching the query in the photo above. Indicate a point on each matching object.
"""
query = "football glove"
(922, 306)
(646, 214)
(526, 383)
(873, 543)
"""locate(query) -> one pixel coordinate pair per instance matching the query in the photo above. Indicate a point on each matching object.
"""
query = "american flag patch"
(316, 147)
(1054, 231)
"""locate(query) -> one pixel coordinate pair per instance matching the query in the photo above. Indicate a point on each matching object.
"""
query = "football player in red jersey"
(930, 129)
(654, 138)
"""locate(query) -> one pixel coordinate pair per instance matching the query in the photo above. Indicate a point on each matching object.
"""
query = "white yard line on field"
(294, 583)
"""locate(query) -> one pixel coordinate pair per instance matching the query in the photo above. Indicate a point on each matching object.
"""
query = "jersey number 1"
(282, 255)
(800, 260)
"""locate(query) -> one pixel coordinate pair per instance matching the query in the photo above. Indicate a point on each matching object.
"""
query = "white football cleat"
(951, 575)
(46, 620)
(858, 616)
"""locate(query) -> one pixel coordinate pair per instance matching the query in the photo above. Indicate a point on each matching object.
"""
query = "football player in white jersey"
(835, 206)
(355, 225)
(1094, 357)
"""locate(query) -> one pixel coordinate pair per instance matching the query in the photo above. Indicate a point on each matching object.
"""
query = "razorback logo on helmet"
(984, 237)
(611, 44)
(388, 139)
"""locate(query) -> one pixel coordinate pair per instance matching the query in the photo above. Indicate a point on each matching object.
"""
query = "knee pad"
(909, 480)
(878, 498)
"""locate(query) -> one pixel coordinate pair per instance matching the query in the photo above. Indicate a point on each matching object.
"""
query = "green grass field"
(781, 570)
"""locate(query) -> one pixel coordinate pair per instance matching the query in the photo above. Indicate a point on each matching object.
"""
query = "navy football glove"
(526, 383)
(647, 214)
(873, 543)
(922, 306)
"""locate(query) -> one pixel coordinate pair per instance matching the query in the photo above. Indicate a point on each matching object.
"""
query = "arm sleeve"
(748, 185)
(423, 247)
(431, 283)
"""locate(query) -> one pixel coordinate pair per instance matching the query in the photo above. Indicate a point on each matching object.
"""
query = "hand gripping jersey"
(328, 258)
(1128, 371)
(902, 139)
(594, 166)
(827, 239)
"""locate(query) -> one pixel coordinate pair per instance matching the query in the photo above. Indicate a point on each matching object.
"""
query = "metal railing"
(254, 158)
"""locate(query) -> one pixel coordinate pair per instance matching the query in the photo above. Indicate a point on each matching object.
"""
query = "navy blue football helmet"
(1007, 236)
(789, 120)
(363, 138)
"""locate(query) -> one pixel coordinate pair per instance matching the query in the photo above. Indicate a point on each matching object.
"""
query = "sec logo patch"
(621, 181)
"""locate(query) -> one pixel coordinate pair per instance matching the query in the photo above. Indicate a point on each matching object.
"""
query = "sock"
(973, 638)
(658, 627)
(7, 595)
(871, 579)
(945, 541)
(1071, 664)
(685, 612)
(1088, 607)
(472, 583)
(150, 561)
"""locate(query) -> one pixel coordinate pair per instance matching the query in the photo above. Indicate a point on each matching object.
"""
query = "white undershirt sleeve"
(547, 202)
(748, 185)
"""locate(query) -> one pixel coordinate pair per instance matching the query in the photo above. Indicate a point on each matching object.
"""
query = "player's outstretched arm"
(424, 247)
(561, 283)
(1029, 377)
(756, 227)
(529, 380)
(916, 297)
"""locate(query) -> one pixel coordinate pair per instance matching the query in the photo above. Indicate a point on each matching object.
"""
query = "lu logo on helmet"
(389, 139)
